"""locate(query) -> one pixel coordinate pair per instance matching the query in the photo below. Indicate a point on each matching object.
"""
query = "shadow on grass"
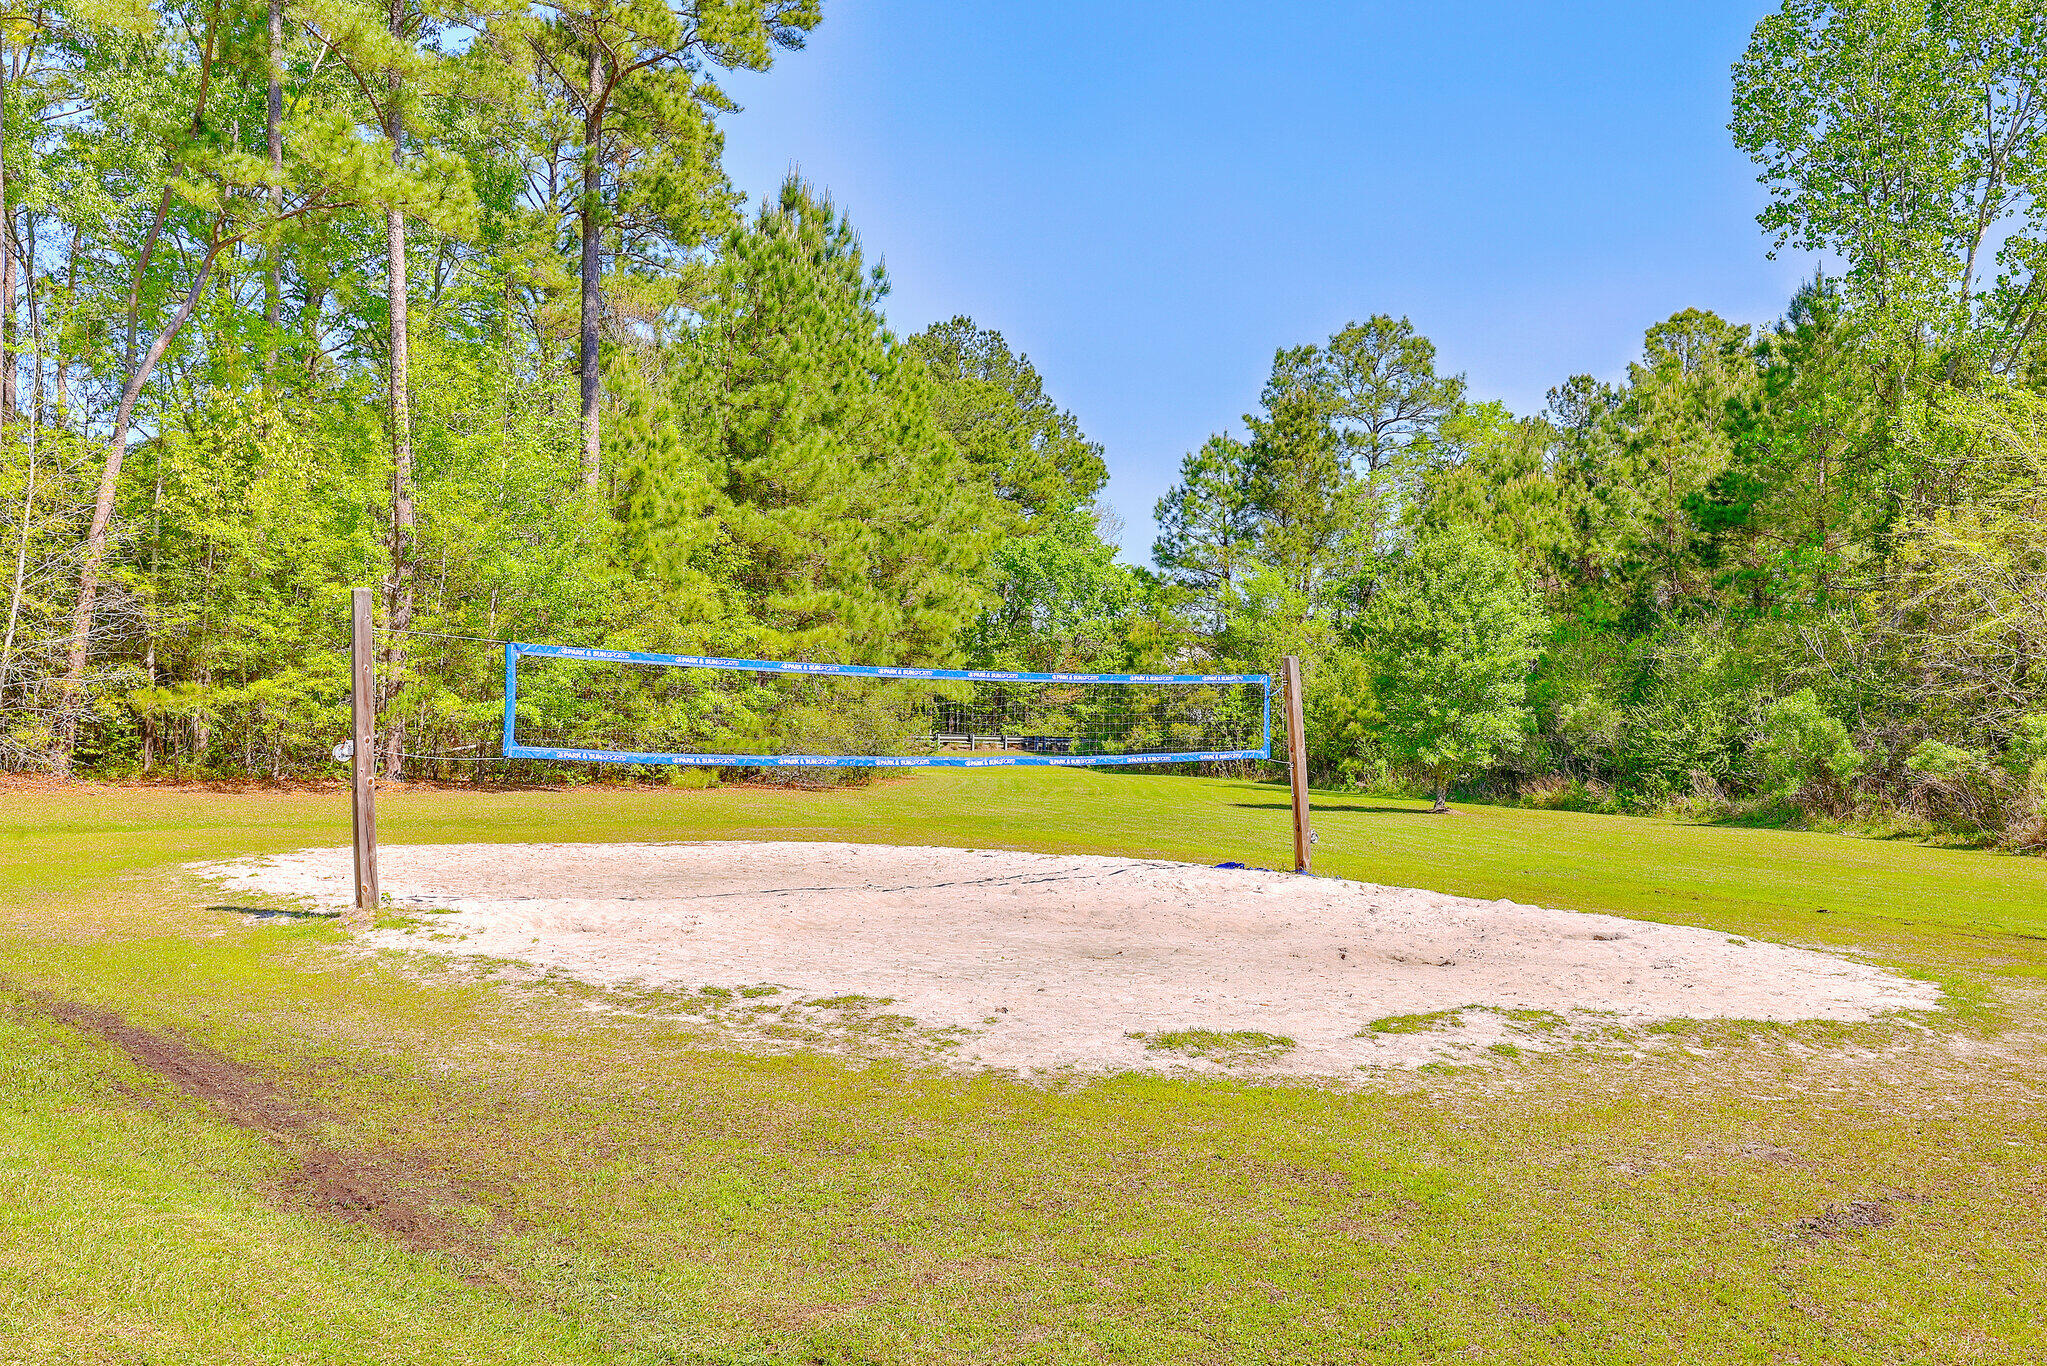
(1353, 807)
(273, 913)
(1778, 816)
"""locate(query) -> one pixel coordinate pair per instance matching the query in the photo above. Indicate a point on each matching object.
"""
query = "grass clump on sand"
(1534, 1021)
(1522, 1021)
(1416, 1024)
(1239, 1044)
(302, 1153)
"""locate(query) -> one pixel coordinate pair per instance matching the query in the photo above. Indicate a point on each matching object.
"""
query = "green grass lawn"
(611, 1188)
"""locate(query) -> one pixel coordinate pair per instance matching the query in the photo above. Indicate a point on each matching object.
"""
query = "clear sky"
(1149, 198)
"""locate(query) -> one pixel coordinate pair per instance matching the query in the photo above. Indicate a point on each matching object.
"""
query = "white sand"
(1055, 961)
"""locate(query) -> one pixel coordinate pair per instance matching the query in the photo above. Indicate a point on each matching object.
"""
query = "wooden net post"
(362, 766)
(1297, 765)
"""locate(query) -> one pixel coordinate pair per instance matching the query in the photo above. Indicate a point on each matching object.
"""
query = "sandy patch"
(1034, 961)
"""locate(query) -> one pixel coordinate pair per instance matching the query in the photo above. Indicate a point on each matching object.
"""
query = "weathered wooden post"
(1297, 765)
(362, 767)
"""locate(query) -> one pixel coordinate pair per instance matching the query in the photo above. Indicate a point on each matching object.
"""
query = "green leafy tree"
(1503, 481)
(1340, 707)
(211, 196)
(1454, 631)
(1966, 599)
(1911, 140)
(1061, 602)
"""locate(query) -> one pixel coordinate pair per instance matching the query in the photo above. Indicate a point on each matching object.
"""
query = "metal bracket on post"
(362, 766)
(1297, 765)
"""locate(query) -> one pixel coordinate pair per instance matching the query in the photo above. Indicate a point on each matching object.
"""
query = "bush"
(1688, 711)
(1557, 792)
(2028, 746)
(1342, 713)
(2025, 818)
(1937, 762)
(2026, 828)
(1803, 754)
(1953, 786)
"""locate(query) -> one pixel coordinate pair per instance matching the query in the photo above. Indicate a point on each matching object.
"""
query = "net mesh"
(610, 707)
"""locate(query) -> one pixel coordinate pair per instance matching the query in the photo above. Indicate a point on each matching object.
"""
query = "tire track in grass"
(390, 1196)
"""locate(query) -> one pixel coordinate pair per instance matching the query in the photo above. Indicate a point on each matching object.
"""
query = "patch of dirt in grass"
(1839, 1221)
(384, 1193)
(223, 1086)
(346, 1187)
(1772, 1154)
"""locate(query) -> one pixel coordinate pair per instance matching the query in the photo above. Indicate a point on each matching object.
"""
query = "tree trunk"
(28, 497)
(586, 358)
(28, 505)
(273, 125)
(149, 617)
(103, 512)
(62, 382)
(314, 305)
(38, 411)
(6, 266)
(1442, 791)
(398, 606)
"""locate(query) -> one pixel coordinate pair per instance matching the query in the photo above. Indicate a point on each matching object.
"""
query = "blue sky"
(1149, 198)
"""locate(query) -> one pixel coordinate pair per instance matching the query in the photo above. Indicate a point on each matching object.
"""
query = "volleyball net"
(575, 704)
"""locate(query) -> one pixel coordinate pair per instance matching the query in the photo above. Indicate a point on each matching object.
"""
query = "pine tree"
(1208, 523)
(645, 58)
(849, 527)
(992, 403)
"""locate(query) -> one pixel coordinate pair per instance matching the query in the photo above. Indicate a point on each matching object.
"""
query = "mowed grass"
(631, 1191)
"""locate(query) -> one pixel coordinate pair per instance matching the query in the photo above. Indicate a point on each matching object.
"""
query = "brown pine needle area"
(235, 1135)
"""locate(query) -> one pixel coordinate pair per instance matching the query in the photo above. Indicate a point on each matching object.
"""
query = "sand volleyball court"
(1043, 962)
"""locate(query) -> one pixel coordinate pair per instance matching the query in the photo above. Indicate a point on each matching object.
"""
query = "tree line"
(1797, 570)
(460, 302)
(457, 301)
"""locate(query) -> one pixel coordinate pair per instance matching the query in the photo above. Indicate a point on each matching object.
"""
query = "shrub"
(2025, 823)
(1803, 754)
(1955, 786)
(1342, 712)
(1557, 792)
(2026, 829)
(2028, 746)
(1689, 710)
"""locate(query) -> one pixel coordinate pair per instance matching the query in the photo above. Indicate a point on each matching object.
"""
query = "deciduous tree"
(1454, 630)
